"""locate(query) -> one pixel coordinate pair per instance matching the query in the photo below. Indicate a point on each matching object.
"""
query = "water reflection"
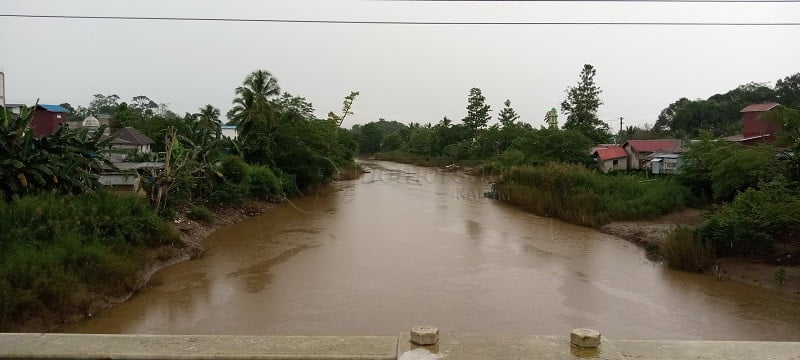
(407, 245)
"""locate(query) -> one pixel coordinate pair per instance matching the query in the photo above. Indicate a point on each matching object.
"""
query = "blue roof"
(228, 126)
(54, 108)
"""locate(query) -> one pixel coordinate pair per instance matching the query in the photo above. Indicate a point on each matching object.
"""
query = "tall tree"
(788, 91)
(477, 111)
(581, 106)
(251, 104)
(507, 116)
(208, 121)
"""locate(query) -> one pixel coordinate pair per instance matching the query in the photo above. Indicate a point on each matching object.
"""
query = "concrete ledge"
(225, 347)
(178, 347)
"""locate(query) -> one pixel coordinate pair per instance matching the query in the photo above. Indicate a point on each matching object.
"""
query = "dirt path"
(650, 233)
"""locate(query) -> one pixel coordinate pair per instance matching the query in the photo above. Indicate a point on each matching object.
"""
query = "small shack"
(610, 158)
(664, 162)
(47, 119)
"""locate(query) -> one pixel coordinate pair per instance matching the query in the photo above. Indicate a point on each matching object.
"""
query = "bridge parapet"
(233, 347)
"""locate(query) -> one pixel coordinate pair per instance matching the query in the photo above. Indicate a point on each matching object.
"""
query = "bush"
(682, 250)
(755, 222)
(227, 193)
(234, 169)
(263, 182)
(54, 247)
(575, 194)
(199, 213)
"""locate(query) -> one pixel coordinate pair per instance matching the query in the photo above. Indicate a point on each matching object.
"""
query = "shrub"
(575, 194)
(682, 250)
(227, 193)
(54, 247)
(199, 213)
(234, 169)
(263, 182)
(755, 222)
(350, 171)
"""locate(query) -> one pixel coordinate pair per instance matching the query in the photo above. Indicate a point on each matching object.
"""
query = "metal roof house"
(755, 129)
(47, 119)
(638, 150)
(610, 158)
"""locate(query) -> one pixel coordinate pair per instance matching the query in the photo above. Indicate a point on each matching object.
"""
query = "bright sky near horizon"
(407, 73)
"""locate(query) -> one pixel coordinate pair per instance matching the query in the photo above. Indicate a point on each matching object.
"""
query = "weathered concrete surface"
(225, 347)
(552, 347)
(707, 350)
(496, 347)
(424, 335)
(71, 346)
(585, 338)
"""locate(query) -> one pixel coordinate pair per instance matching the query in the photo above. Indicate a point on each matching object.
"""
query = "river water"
(406, 245)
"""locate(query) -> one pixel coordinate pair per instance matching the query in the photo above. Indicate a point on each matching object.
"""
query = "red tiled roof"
(650, 146)
(614, 152)
(759, 107)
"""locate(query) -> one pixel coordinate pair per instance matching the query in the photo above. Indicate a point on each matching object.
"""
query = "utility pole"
(2, 89)
(620, 129)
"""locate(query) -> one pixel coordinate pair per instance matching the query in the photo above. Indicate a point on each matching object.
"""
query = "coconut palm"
(252, 100)
(208, 121)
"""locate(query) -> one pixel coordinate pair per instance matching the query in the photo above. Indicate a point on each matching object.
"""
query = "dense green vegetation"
(509, 141)
(719, 114)
(64, 236)
(55, 248)
(573, 193)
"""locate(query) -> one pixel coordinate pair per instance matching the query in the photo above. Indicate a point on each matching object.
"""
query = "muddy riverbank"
(191, 233)
(649, 233)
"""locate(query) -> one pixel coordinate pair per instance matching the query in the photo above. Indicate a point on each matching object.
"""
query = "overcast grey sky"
(406, 73)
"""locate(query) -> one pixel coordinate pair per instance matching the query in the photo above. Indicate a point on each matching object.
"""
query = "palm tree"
(208, 121)
(252, 100)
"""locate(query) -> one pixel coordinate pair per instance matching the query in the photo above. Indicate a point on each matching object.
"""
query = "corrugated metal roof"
(614, 152)
(668, 145)
(759, 107)
(129, 135)
(54, 108)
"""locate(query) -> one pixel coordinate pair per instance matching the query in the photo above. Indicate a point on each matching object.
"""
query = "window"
(615, 162)
(58, 116)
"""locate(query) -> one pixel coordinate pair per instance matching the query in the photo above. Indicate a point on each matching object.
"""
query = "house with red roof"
(755, 129)
(610, 158)
(639, 151)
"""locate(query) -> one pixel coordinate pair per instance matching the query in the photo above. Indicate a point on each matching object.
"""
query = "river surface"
(406, 245)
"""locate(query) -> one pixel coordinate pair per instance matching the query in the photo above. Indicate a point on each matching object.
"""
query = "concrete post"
(585, 338)
(424, 335)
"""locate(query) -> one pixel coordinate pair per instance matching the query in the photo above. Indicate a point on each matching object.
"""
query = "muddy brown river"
(406, 245)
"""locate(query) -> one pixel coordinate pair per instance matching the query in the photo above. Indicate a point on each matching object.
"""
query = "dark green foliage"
(263, 182)
(227, 193)
(719, 114)
(755, 222)
(234, 169)
(53, 246)
(66, 160)
(683, 250)
(199, 213)
(575, 194)
(581, 106)
(723, 169)
(551, 145)
(477, 112)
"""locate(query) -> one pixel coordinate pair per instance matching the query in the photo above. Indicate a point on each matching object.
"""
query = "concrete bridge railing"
(224, 347)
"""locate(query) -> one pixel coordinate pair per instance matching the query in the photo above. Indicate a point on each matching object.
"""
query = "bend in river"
(406, 245)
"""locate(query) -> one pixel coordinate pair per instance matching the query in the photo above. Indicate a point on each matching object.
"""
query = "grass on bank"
(578, 195)
(684, 250)
(54, 248)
